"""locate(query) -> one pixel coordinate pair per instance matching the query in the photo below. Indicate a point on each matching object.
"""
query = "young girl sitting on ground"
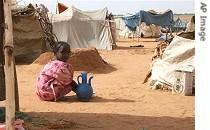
(56, 78)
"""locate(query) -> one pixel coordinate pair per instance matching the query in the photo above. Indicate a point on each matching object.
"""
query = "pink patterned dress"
(54, 80)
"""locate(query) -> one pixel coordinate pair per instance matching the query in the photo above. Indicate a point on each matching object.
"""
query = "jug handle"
(78, 79)
(90, 80)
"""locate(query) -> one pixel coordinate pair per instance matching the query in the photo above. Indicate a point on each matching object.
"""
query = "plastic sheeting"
(180, 53)
(131, 21)
(83, 29)
(160, 19)
(163, 19)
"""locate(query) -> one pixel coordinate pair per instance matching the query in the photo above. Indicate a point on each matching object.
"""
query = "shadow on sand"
(105, 121)
(131, 48)
(131, 40)
(96, 99)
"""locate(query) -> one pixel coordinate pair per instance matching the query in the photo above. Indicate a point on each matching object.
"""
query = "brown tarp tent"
(27, 33)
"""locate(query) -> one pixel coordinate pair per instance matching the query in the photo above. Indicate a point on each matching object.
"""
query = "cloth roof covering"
(150, 17)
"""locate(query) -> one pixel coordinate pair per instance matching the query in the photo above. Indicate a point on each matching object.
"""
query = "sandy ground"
(122, 102)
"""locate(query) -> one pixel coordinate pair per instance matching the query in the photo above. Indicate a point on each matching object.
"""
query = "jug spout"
(84, 77)
(89, 81)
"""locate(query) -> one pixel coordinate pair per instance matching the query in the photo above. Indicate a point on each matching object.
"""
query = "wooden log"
(9, 67)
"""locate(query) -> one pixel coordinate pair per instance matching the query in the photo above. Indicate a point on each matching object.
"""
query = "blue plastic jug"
(84, 90)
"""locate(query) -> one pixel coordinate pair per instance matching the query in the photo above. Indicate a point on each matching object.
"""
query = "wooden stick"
(17, 106)
(149, 73)
(9, 67)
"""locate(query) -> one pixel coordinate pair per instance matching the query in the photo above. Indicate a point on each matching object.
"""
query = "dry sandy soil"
(122, 102)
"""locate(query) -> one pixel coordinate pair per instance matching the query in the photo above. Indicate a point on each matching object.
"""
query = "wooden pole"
(9, 67)
(2, 78)
(57, 10)
(17, 106)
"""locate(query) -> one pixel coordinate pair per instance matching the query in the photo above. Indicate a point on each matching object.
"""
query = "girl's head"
(62, 51)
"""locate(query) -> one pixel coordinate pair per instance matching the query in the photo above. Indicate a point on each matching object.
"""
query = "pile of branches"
(23, 11)
(46, 25)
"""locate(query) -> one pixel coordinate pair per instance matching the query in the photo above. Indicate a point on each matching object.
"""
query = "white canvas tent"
(179, 53)
(144, 30)
(83, 29)
(149, 30)
(123, 30)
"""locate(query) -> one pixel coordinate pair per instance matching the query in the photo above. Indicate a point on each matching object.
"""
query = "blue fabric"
(163, 20)
(131, 22)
